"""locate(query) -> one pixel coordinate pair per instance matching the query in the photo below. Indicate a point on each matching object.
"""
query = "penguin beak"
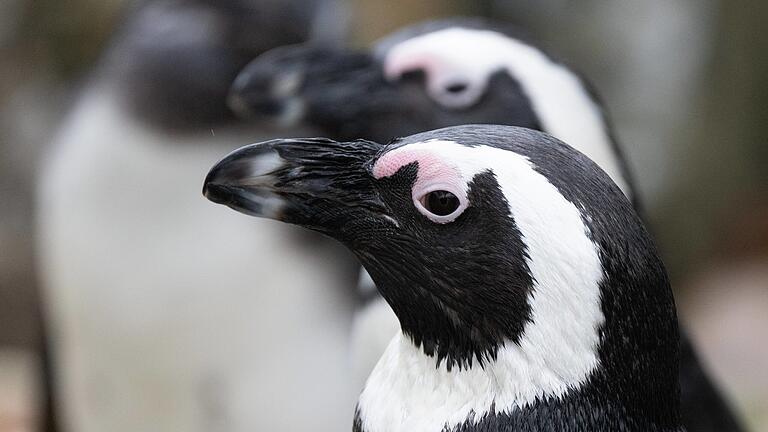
(260, 92)
(269, 86)
(245, 181)
(314, 182)
(289, 83)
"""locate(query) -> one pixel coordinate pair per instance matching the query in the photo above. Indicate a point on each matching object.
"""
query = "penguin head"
(488, 242)
(411, 82)
(174, 60)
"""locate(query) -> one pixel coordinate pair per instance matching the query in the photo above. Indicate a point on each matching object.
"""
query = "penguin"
(443, 73)
(157, 324)
(529, 293)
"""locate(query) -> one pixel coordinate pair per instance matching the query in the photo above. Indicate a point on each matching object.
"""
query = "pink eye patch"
(435, 174)
(397, 64)
(391, 162)
(431, 168)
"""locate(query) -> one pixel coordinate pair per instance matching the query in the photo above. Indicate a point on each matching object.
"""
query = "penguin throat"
(406, 391)
(435, 316)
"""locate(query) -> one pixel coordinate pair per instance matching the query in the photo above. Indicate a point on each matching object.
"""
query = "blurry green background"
(685, 82)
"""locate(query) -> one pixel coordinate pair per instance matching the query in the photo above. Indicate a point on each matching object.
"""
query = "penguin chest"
(157, 295)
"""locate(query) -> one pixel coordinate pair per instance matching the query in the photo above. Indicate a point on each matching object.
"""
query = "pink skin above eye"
(441, 72)
(434, 174)
(396, 64)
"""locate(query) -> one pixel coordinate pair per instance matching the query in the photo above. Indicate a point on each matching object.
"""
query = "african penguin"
(443, 73)
(157, 323)
(529, 294)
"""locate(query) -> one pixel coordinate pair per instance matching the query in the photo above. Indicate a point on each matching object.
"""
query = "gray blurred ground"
(686, 83)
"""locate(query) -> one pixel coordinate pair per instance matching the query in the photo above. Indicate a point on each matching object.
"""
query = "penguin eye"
(455, 88)
(440, 206)
(456, 94)
(440, 202)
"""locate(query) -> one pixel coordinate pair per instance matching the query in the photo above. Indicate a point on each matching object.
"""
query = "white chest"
(158, 296)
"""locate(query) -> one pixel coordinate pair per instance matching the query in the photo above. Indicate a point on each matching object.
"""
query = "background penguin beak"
(299, 82)
(254, 95)
(314, 182)
(269, 86)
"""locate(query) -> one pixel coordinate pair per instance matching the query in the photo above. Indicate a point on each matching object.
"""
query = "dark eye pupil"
(441, 203)
(456, 88)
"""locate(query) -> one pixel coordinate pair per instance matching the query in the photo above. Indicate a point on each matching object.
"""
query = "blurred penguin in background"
(156, 321)
(438, 74)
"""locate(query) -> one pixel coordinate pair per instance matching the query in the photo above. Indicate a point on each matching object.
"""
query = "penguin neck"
(407, 380)
(407, 392)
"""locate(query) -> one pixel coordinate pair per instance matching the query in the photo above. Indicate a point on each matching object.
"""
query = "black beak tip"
(237, 97)
(237, 104)
(219, 184)
(212, 191)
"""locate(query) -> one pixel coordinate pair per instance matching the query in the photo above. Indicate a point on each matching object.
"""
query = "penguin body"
(156, 323)
(529, 294)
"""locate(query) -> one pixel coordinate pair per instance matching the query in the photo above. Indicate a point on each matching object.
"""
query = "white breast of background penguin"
(558, 348)
(158, 320)
(372, 329)
(470, 56)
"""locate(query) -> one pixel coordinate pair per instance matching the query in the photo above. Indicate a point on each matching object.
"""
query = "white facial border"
(558, 349)
(557, 95)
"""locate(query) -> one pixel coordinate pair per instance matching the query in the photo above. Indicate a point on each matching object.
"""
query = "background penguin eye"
(455, 88)
(440, 202)
(456, 94)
